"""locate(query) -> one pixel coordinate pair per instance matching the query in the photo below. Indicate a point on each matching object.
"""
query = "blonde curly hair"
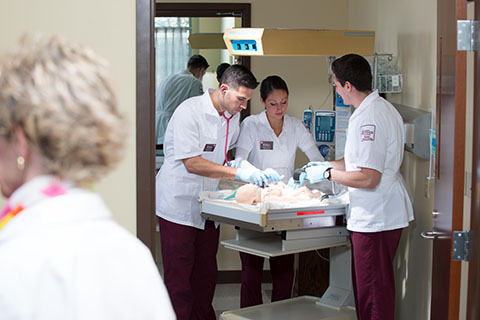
(60, 94)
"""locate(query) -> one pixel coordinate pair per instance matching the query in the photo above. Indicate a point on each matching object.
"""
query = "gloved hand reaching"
(252, 175)
(272, 175)
(315, 171)
(293, 185)
(319, 163)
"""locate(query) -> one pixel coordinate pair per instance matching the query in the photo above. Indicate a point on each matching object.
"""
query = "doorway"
(146, 11)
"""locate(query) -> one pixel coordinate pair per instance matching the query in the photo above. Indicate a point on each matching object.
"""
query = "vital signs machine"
(329, 128)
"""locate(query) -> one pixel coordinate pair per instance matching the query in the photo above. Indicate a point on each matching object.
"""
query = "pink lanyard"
(226, 140)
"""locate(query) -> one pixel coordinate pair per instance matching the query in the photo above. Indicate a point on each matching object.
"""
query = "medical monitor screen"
(326, 123)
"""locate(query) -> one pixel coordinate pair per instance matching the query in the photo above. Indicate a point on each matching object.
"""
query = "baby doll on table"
(278, 192)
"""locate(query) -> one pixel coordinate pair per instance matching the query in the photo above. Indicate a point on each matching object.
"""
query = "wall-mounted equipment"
(385, 74)
(339, 101)
(298, 42)
(417, 130)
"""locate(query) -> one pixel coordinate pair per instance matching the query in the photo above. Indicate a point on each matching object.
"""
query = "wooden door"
(473, 305)
(449, 184)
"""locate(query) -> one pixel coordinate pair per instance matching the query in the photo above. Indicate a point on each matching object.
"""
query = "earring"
(20, 163)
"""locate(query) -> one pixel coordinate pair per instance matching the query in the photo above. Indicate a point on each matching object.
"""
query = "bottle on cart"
(307, 118)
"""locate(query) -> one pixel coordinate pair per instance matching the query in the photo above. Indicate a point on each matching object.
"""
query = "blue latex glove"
(319, 163)
(233, 164)
(316, 172)
(251, 175)
(272, 175)
(292, 185)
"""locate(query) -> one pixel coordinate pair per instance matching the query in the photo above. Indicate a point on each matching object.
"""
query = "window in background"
(172, 49)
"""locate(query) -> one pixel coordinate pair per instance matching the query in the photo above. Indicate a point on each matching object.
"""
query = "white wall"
(108, 27)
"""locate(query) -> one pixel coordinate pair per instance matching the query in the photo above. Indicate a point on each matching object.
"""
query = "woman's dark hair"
(354, 69)
(237, 76)
(221, 69)
(271, 83)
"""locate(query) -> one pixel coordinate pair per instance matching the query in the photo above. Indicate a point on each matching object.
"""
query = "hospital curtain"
(172, 49)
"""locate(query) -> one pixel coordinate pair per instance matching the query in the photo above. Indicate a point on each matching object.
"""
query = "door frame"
(473, 296)
(145, 122)
(146, 10)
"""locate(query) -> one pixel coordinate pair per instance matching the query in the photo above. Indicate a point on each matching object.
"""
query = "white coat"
(259, 144)
(65, 258)
(196, 129)
(375, 140)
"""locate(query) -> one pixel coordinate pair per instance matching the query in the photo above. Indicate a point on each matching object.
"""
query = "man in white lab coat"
(379, 204)
(199, 134)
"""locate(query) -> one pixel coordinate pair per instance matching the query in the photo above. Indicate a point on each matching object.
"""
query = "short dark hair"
(197, 61)
(221, 69)
(271, 83)
(354, 69)
(237, 76)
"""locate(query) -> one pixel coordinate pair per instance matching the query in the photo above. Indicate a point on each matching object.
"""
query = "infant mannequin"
(279, 192)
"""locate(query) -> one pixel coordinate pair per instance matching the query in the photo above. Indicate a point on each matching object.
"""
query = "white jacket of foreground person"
(64, 257)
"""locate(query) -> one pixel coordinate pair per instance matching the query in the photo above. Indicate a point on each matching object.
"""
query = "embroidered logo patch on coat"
(368, 132)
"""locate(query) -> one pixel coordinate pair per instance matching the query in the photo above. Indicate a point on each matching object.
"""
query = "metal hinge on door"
(461, 245)
(468, 35)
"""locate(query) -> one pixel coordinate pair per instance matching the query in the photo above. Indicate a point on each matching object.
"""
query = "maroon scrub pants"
(372, 273)
(281, 269)
(190, 268)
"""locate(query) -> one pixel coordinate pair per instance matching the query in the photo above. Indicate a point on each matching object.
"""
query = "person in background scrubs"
(270, 140)
(379, 203)
(198, 137)
(175, 89)
(62, 256)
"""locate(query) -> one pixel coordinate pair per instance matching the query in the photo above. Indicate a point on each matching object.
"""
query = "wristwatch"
(327, 174)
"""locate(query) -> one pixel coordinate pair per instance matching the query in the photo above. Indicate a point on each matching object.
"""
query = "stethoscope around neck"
(228, 125)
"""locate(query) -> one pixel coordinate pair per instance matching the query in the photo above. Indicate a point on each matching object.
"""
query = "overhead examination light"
(298, 42)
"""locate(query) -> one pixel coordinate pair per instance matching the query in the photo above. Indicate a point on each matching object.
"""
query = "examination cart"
(272, 229)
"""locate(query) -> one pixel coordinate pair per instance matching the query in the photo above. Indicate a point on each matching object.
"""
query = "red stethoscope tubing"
(226, 139)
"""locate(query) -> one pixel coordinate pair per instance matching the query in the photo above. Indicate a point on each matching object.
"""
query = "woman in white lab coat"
(270, 140)
(62, 256)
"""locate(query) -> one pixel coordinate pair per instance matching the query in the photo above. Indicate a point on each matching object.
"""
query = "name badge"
(209, 147)
(266, 145)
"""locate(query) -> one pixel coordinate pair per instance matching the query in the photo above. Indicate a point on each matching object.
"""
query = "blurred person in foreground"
(62, 256)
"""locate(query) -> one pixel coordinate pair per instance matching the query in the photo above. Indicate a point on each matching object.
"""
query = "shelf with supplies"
(389, 83)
